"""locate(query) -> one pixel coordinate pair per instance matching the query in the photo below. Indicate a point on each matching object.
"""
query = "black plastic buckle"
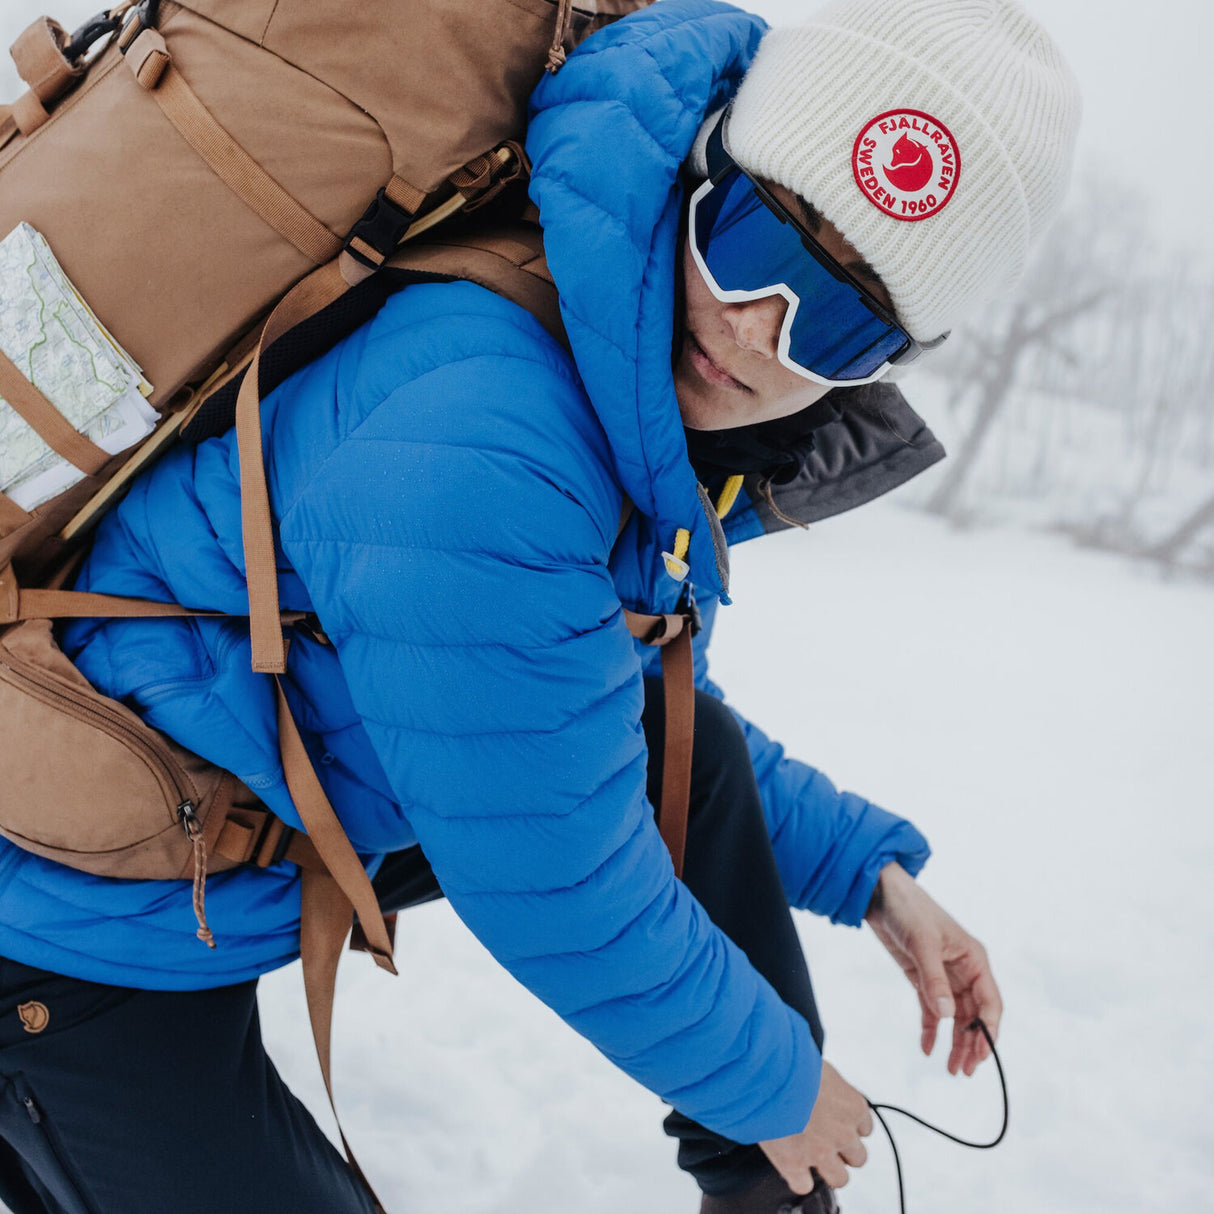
(382, 227)
(92, 31)
(144, 17)
(688, 609)
(284, 841)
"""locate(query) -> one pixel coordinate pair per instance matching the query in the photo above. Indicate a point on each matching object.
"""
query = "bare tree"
(1106, 326)
(1029, 329)
(1170, 549)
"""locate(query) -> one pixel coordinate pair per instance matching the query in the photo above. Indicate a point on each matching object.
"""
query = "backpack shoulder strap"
(508, 260)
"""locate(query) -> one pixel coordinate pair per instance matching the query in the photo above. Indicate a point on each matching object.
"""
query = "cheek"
(698, 300)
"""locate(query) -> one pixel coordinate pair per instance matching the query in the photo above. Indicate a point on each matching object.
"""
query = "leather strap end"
(9, 129)
(352, 270)
(41, 63)
(149, 58)
(266, 660)
(29, 113)
(358, 938)
(382, 959)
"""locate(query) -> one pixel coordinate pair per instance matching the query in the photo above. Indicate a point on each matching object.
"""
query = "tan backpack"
(194, 167)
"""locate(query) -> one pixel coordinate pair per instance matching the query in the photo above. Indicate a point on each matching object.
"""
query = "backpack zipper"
(141, 742)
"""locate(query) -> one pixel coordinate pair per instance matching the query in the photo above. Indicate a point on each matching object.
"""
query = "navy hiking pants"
(146, 1102)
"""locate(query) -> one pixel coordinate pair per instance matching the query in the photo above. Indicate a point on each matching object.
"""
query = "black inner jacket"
(777, 449)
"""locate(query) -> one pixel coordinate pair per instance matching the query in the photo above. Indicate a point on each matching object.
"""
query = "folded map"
(54, 339)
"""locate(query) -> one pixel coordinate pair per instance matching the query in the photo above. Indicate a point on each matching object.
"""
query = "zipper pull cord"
(556, 52)
(193, 830)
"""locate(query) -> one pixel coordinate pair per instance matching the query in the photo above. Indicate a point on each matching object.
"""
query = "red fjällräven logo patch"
(907, 164)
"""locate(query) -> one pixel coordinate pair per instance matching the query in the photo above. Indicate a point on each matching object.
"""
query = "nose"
(756, 324)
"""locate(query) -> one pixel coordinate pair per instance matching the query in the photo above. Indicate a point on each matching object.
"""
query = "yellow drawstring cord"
(729, 495)
(676, 561)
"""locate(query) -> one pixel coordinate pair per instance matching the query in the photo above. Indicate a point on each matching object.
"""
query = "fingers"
(800, 1181)
(833, 1171)
(932, 984)
(927, 1039)
(988, 1000)
(970, 1047)
(791, 1164)
(935, 990)
(979, 999)
(855, 1154)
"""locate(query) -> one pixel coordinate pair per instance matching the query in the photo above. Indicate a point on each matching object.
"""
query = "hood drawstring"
(766, 494)
(729, 495)
(676, 561)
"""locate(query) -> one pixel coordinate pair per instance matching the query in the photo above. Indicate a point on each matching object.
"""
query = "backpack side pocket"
(84, 781)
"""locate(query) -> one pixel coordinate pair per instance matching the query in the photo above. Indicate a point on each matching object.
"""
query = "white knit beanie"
(936, 135)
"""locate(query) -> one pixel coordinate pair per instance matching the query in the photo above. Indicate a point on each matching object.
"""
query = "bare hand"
(945, 964)
(830, 1142)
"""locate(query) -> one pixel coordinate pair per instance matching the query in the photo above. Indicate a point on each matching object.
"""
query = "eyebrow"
(812, 218)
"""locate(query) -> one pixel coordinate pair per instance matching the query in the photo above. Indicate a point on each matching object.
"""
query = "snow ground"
(1044, 715)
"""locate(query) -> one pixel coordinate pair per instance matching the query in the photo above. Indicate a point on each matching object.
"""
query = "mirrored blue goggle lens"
(746, 248)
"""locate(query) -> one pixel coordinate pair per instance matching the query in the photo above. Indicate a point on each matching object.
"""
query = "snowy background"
(1045, 717)
(1016, 653)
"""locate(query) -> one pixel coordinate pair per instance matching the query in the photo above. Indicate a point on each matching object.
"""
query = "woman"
(447, 487)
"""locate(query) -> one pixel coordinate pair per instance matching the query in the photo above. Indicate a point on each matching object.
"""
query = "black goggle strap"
(719, 160)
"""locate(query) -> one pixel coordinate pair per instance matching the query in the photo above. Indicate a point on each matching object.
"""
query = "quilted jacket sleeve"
(484, 648)
(830, 846)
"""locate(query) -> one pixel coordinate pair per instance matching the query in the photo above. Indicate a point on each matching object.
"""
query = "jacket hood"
(608, 137)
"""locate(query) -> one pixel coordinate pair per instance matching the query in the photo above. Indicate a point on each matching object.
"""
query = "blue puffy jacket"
(447, 486)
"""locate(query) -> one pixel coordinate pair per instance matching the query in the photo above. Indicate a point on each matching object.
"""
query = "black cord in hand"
(978, 1146)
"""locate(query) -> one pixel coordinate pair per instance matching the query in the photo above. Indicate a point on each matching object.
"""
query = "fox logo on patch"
(34, 1016)
(907, 164)
(912, 166)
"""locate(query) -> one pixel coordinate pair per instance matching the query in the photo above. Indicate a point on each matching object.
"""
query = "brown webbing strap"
(11, 515)
(679, 682)
(149, 59)
(323, 926)
(512, 267)
(304, 300)
(47, 422)
(328, 837)
(80, 604)
(401, 193)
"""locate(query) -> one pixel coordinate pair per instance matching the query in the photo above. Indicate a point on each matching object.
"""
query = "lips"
(709, 369)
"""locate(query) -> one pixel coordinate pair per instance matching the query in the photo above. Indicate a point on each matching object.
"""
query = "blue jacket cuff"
(899, 841)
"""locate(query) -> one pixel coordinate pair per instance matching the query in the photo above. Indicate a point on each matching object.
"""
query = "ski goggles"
(747, 246)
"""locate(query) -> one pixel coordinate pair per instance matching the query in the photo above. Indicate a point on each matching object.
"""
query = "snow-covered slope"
(1045, 716)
